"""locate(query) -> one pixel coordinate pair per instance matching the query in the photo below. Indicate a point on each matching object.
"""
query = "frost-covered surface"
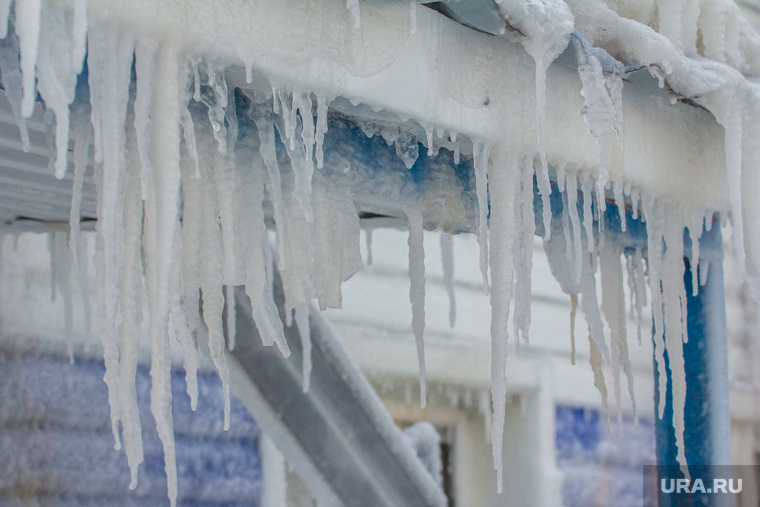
(252, 105)
(57, 447)
(426, 442)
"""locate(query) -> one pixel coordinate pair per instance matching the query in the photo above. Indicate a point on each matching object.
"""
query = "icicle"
(323, 104)
(131, 299)
(525, 224)
(641, 292)
(145, 57)
(211, 278)
(59, 62)
(109, 91)
(613, 306)
(27, 26)
(417, 289)
(303, 312)
(590, 306)
(572, 208)
(353, 7)
(503, 185)
(595, 359)
(674, 319)
(224, 177)
(573, 310)
(447, 259)
(653, 212)
(258, 283)
(10, 76)
(162, 210)
(82, 134)
(287, 126)
(429, 137)
(481, 155)
(695, 232)
(231, 320)
(182, 332)
(274, 184)
(588, 218)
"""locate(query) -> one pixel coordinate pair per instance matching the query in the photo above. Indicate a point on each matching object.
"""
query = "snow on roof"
(202, 117)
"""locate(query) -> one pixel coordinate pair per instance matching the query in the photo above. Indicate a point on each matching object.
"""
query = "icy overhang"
(445, 77)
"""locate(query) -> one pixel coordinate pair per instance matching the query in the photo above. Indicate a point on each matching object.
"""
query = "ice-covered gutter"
(234, 114)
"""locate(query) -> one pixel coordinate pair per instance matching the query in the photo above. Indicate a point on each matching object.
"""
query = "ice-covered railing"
(213, 120)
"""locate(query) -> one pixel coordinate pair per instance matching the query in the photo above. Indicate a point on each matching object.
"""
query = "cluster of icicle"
(181, 196)
(180, 202)
(575, 250)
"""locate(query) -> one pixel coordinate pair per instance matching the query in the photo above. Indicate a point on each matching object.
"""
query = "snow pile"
(191, 164)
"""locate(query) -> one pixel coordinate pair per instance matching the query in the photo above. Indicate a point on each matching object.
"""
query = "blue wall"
(601, 467)
(56, 445)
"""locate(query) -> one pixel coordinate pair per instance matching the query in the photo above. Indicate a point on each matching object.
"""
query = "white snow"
(417, 289)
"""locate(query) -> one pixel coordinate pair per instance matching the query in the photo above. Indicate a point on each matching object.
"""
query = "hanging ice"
(417, 290)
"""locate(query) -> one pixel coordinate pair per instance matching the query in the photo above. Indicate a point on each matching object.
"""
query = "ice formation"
(204, 137)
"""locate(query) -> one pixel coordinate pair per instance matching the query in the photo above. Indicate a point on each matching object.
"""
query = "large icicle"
(481, 156)
(525, 226)
(613, 306)
(417, 289)
(674, 319)
(212, 280)
(590, 306)
(131, 307)
(162, 210)
(503, 185)
(110, 59)
(145, 57)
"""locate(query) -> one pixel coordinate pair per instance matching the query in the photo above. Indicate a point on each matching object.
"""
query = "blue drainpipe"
(707, 431)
